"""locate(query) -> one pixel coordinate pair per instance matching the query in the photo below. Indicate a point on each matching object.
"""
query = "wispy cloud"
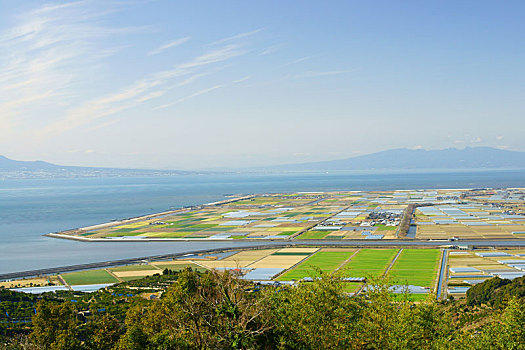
(237, 37)
(169, 45)
(50, 50)
(189, 97)
(271, 49)
(143, 91)
(50, 53)
(240, 80)
(302, 59)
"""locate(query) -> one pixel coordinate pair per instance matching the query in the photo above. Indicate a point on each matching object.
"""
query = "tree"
(315, 315)
(55, 326)
(484, 293)
(200, 311)
(102, 332)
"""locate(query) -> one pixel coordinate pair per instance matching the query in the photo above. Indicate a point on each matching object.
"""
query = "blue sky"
(203, 84)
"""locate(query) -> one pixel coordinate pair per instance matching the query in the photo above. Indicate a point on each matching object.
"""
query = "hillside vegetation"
(211, 310)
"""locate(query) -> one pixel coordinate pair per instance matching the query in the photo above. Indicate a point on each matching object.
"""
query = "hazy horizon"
(184, 85)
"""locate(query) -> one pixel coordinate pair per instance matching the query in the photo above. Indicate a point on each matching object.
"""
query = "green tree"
(315, 315)
(102, 332)
(55, 326)
(209, 310)
(508, 329)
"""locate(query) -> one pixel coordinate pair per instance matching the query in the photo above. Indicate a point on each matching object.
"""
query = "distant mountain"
(7, 164)
(403, 158)
(10, 168)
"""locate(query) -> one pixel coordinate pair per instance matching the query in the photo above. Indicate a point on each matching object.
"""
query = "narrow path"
(112, 274)
(347, 260)
(155, 266)
(404, 225)
(317, 223)
(63, 281)
(200, 265)
(393, 262)
(384, 273)
(442, 274)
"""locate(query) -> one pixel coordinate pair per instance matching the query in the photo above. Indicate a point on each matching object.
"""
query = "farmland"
(416, 267)
(370, 262)
(282, 265)
(468, 268)
(323, 261)
(353, 215)
(419, 269)
(319, 233)
(89, 277)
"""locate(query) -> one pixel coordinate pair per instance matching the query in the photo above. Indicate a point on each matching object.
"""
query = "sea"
(30, 208)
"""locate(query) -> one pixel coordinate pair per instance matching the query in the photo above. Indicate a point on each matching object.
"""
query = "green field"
(132, 268)
(325, 261)
(369, 262)
(416, 267)
(314, 235)
(381, 227)
(89, 277)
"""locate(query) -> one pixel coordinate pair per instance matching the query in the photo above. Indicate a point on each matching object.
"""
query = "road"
(270, 244)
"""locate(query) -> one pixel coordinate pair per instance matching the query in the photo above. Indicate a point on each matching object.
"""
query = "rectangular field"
(325, 261)
(417, 267)
(89, 277)
(369, 262)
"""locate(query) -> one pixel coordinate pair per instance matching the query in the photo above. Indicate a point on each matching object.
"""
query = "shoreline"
(473, 244)
(75, 237)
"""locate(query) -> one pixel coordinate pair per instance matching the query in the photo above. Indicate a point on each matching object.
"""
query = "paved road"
(260, 245)
(413, 243)
(442, 273)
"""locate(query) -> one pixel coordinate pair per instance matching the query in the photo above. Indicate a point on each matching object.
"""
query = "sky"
(211, 84)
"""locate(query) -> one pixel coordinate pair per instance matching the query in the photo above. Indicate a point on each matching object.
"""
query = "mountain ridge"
(404, 158)
(392, 159)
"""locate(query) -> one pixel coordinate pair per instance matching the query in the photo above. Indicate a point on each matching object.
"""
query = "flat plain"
(355, 215)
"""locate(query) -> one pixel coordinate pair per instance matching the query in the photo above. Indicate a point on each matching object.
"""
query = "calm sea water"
(30, 208)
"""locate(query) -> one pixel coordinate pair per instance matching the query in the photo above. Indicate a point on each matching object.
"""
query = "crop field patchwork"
(417, 268)
(355, 215)
(467, 268)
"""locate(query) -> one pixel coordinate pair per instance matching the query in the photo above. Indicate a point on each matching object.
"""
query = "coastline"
(76, 231)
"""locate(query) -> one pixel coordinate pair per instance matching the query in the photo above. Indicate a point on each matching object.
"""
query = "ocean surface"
(30, 208)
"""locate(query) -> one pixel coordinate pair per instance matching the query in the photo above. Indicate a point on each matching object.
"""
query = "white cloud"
(240, 80)
(270, 50)
(47, 53)
(169, 45)
(237, 36)
(189, 97)
(141, 91)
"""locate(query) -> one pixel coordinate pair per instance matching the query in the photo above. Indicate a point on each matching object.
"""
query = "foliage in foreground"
(214, 310)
